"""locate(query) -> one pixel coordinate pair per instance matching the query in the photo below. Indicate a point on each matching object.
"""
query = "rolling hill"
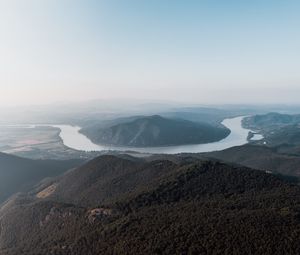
(156, 131)
(277, 129)
(271, 120)
(261, 158)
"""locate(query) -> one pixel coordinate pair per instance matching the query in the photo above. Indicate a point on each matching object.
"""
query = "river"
(73, 139)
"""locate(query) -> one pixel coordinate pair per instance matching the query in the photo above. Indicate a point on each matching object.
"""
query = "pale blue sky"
(213, 51)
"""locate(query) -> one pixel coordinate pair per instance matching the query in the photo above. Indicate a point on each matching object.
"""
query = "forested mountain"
(182, 206)
(156, 131)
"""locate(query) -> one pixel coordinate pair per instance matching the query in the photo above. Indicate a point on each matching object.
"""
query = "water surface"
(73, 139)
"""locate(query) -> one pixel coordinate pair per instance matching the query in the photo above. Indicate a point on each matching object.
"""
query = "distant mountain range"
(125, 205)
(155, 131)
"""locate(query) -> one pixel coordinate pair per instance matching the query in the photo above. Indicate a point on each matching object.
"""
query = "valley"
(76, 197)
(149, 127)
(66, 141)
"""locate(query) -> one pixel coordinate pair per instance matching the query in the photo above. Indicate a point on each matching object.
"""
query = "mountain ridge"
(194, 207)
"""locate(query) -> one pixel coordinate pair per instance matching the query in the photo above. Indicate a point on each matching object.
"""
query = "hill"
(277, 129)
(271, 120)
(261, 158)
(18, 174)
(183, 206)
(155, 131)
(289, 135)
(108, 178)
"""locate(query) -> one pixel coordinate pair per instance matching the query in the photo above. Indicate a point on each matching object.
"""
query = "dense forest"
(164, 206)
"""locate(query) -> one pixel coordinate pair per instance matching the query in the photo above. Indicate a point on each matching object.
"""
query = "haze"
(189, 51)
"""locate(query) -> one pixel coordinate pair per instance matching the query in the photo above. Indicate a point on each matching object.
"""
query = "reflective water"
(73, 139)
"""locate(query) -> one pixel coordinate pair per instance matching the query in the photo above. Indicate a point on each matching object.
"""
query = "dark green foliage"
(191, 207)
(106, 179)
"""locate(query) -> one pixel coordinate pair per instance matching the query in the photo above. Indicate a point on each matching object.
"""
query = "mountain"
(261, 158)
(182, 206)
(156, 131)
(107, 178)
(18, 174)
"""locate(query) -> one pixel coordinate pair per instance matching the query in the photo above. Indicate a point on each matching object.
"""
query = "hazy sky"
(212, 51)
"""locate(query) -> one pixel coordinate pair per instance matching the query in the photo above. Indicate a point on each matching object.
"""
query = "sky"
(198, 51)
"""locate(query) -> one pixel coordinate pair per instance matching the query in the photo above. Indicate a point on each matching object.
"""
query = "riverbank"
(72, 138)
